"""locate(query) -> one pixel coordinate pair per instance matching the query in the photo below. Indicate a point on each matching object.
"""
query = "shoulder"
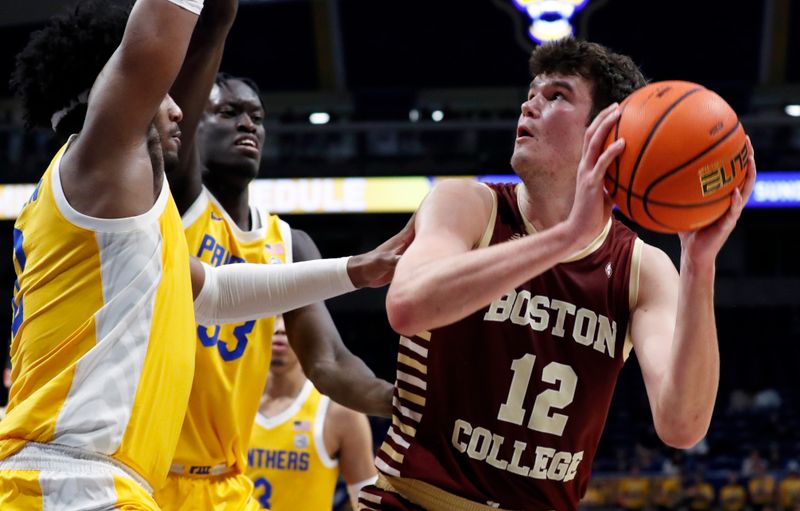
(459, 206)
(303, 247)
(461, 190)
(344, 421)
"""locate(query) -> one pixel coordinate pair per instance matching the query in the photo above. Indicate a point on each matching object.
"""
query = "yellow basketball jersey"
(101, 357)
(287, 460)
(232, 361)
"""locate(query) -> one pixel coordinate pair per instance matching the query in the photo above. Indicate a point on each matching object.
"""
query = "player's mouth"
(248, 144)
(176, 137)
(524, 133)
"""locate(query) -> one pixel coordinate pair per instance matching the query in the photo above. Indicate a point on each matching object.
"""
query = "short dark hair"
(222, 80)
(62, 61)
(613, 76)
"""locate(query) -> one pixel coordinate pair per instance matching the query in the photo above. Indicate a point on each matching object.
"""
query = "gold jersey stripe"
(389, 450)
(405, 359)
(404, 428)
(410, 396)
(425, 334)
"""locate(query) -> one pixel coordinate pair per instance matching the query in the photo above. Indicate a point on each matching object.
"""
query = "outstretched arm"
(674, 330)
(240, 292)
(327, 362)
(108, 172)
(191, 90)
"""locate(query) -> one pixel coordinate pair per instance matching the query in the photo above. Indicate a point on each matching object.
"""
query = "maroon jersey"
(506, 406)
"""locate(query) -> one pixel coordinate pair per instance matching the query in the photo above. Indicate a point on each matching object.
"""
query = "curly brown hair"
(613, 76)
(62, 61)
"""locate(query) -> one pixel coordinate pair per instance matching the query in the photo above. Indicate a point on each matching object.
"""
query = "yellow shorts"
(229, 492)
(43, 477)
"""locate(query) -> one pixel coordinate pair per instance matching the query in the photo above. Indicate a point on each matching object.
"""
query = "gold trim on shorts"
(429, 496)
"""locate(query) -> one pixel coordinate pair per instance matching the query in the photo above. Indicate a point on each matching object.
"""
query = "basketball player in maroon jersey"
(518, 306)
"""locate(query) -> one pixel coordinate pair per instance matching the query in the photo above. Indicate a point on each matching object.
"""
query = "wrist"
(567, 239)
(353, 267)
(696, 267)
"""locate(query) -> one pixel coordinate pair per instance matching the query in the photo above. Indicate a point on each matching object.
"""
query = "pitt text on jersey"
(219, 254)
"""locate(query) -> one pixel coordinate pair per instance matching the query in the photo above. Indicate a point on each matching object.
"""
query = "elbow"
(319, 373)
(681, 435)
(401, 309)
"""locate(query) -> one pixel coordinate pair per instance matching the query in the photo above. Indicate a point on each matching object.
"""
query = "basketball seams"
(674, 205)
(646, 143)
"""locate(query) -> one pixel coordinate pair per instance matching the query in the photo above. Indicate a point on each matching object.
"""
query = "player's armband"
(194, 6)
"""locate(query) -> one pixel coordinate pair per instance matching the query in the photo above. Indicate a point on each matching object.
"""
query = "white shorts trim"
(68, 460)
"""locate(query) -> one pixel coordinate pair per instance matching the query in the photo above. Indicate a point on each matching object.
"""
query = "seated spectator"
(596, 496)
(751, 462)
(699, 494)
(668, 492)
(761, 488)
(633, 491)
(732, 496)
(789, 488)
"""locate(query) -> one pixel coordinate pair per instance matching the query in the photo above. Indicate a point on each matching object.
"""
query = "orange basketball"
(685, 153)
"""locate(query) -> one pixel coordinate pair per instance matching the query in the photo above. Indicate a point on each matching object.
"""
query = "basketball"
(685, 152)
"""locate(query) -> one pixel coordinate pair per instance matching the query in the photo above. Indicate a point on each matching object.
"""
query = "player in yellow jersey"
(223, 136)
(103, 296)
(302, 440)
(103, 344)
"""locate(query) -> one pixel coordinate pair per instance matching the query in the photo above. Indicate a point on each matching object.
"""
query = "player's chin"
(246, 166)
(171, 160)
(520, 158)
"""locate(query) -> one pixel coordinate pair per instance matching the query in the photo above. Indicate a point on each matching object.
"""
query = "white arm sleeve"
(241, 292)
(194, 6)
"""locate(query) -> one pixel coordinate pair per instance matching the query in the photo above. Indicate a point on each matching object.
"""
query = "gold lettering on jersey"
(541, 313)
(537, 462)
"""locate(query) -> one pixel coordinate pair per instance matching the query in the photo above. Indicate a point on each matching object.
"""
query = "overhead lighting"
(437, 116)
(319, 118)
(550, 19)
(792, 110)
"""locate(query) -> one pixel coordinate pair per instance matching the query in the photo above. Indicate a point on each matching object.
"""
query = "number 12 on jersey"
(540, 419)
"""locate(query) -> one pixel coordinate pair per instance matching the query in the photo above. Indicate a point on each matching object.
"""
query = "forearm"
(242, 292)
(347, 380)
(450, 288)
(686, 400)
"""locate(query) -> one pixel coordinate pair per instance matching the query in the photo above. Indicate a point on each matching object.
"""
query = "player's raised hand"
(703, 245)
(592, 205)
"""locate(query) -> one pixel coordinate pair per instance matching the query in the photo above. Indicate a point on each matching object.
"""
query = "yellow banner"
(298, 196)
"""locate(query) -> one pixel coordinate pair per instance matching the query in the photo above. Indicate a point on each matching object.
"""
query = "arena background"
(382, 70)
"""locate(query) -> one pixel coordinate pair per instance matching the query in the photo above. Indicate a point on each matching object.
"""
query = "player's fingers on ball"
(608, 156)
(595, 124)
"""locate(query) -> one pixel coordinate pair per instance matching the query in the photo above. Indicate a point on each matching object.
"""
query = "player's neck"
(235, 200)
(286, 385)
(545, 205)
